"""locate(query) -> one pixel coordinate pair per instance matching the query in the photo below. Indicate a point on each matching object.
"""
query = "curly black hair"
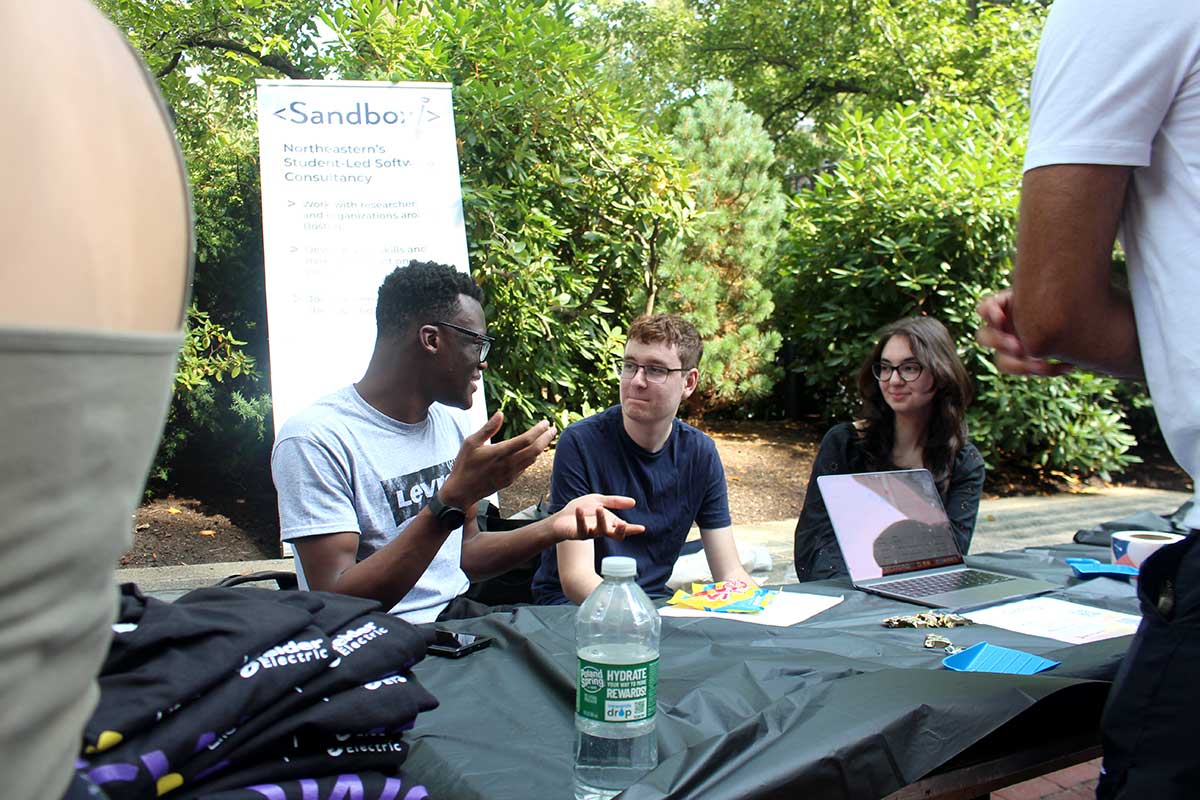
(421, 291)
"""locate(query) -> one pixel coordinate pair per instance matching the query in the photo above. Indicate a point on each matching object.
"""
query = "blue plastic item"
(985, 657)
(1091, 568)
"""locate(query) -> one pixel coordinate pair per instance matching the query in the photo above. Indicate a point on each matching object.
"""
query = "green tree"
(798, 62)
(909, 116)
(647, 49)
(713, 272)
(203, 401)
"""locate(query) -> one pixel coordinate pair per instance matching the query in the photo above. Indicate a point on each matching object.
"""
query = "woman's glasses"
(909, 370)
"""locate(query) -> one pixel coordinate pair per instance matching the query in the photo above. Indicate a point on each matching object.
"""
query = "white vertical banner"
(358, 178)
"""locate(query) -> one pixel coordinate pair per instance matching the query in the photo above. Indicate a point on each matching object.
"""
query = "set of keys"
(933, 640)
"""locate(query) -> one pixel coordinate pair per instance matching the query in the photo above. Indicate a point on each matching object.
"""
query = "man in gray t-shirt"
(341, 449)
(378, 482)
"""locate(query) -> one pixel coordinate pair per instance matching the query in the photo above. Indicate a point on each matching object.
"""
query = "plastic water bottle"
(616, 638)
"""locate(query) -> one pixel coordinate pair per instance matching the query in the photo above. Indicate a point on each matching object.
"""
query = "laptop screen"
(888, 523)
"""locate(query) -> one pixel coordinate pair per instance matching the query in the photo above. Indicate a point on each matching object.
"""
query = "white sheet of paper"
(786, 609)
(1057, 619)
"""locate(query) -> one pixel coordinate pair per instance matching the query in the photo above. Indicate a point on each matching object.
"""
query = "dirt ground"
(766, 467)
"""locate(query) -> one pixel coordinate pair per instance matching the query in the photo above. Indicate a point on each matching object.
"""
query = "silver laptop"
(897, 542)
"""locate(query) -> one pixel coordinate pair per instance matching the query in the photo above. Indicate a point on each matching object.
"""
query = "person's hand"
(588, 517)
(481, 468)
(999, 334)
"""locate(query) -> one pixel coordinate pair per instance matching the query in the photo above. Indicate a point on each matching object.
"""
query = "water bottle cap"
(618, 567)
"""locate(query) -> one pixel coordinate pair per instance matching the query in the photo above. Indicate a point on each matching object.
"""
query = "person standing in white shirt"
(1114, 148)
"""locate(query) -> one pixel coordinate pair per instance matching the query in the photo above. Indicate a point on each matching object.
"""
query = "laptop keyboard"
(941, 582)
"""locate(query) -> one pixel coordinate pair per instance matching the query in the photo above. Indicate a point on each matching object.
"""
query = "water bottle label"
(617, 692)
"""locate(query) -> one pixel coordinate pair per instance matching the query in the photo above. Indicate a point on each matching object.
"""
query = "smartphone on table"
(449, 644)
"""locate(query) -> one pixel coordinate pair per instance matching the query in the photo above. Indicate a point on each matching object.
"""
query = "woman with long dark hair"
(915, 392)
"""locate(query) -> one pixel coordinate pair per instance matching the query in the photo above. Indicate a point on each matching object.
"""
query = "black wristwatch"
(448, 517)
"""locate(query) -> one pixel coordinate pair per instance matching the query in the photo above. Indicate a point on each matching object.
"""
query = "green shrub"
(1073, 424)
(206, 412)
(918, 218)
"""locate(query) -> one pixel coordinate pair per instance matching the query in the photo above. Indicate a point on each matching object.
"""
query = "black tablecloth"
(839, 706)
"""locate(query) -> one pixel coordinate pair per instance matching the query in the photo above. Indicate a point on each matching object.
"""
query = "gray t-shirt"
(342, 466)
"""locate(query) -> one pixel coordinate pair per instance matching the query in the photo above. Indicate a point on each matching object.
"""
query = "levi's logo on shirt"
(408, 494)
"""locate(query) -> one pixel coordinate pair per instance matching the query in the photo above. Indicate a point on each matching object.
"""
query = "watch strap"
(448, 516)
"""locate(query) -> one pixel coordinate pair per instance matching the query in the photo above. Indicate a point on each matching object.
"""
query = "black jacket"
(816, 552)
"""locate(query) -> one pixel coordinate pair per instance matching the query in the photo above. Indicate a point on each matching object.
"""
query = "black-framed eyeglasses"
(485, 341)
(654, 373)
(909, 370)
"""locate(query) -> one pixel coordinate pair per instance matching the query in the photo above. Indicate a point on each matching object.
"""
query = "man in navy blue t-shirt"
(640, 450)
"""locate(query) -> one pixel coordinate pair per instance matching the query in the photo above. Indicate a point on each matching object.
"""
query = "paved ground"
(1004, 524)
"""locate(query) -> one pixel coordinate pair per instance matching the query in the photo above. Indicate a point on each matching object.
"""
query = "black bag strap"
(283, 579)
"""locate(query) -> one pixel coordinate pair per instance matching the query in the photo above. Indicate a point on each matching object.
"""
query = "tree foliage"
(567, 194)
(209, 352)
(798, 61)
(713, 273)
(209, 355)
(598, 171)
(205, 55)
(647, 48)
(918, 218)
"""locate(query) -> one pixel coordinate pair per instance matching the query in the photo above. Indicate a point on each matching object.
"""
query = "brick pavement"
(1073, 783)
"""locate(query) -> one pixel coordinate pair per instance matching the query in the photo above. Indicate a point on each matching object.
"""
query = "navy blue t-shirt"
(682, 483)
